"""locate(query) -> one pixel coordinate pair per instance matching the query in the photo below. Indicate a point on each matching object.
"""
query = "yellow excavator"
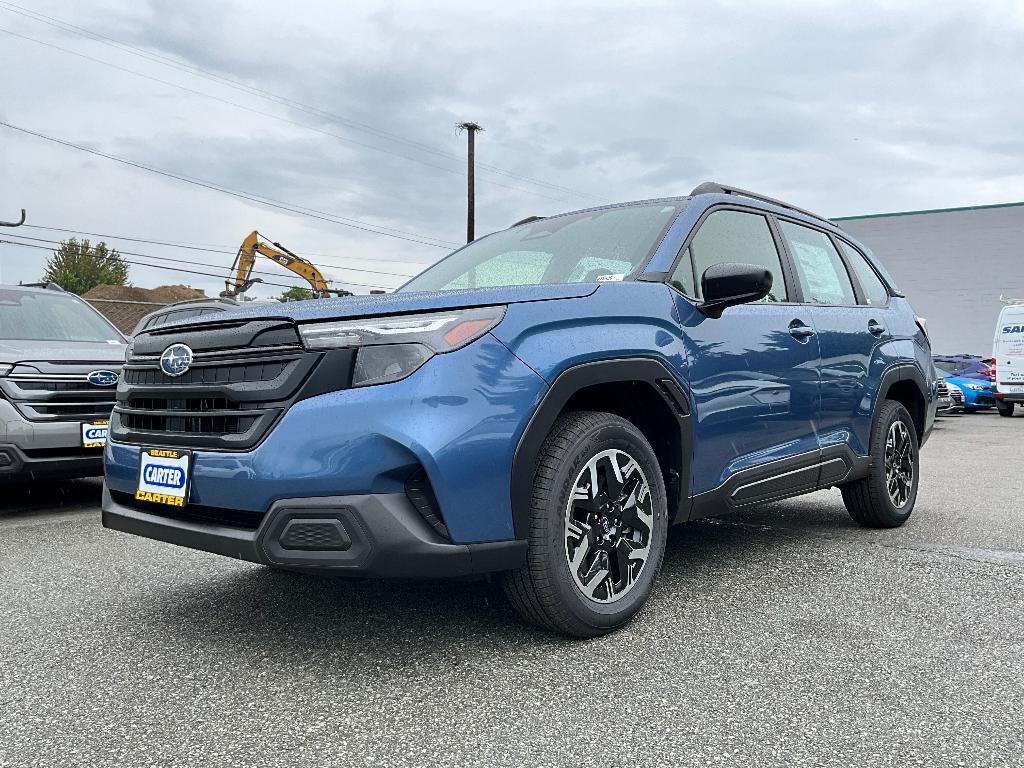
(256, 244)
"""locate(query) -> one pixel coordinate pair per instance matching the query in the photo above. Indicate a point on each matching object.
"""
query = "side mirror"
(726, 285)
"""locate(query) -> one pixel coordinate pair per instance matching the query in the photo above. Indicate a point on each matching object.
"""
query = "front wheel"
(598, 525)
(886, 497)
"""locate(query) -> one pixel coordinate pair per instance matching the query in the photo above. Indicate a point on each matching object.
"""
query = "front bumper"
(18, 465)
(371, 535)
(457, 421)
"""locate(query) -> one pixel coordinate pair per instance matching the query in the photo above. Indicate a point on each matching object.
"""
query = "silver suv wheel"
(608, 526)
(899, 464)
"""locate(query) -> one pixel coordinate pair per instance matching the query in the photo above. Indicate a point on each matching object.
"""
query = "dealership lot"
(782, 635)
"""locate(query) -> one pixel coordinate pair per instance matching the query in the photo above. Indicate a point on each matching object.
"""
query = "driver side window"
(730, 236)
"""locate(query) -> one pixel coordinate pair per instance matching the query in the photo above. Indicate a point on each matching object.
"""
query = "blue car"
(540, 405)
(978, 394)
(971, 375)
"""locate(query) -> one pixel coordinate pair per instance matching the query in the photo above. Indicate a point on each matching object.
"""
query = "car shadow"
(281, 615)
(49, 497)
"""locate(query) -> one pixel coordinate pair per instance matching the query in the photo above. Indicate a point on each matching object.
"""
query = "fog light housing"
(390, 362)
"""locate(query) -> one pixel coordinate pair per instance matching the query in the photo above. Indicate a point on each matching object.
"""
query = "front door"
(753, 372)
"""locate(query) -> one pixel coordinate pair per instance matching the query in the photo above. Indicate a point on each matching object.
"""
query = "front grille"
(42, 395)
(191, 424)
(956, 396)
(243, 376)
(225, 373)
(943, 390)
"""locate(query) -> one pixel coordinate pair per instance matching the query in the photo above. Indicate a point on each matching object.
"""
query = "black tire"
(1005, 409)
(869, 501)
(545, 591)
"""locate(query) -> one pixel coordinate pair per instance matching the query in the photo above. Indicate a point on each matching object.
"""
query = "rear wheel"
(1005, 409)
(886, 497)
(597, 527)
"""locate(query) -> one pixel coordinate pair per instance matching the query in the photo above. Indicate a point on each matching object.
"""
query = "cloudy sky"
(342, 115)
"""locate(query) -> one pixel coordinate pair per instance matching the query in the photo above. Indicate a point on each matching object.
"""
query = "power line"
(271, 96)
(267, 201)
(138, 263)
(226, 274)
(150, 256)
(191, 247)
(259, 112)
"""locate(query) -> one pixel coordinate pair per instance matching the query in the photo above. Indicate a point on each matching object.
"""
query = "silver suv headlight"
(391, 348)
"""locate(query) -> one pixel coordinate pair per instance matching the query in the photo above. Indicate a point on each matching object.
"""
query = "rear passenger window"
(730, 236)
(875, 292)
(822, 274)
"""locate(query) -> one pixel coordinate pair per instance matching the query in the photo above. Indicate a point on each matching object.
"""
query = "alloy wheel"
(609, 524)
(899, 464)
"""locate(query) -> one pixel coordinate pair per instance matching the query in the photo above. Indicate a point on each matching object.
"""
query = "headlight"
(976, 387)
(5, 368)
(391, 348)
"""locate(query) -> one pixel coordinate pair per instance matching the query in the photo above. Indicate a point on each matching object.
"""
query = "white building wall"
(953, 265)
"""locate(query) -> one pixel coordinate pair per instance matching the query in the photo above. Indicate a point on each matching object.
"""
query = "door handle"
(799, 331)
(876, 327)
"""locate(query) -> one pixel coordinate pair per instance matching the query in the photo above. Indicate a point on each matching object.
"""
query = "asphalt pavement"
(785, 635)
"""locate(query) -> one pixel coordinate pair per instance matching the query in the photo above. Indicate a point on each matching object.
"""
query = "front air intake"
(421, 494)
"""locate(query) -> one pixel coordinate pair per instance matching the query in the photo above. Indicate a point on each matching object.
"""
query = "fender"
(903, 372)
(577, 378)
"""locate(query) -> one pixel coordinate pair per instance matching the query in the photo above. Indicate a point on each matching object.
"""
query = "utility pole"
(12, 224)
(470, 129)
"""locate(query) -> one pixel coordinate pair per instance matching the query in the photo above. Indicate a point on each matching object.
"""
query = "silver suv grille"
(47, 396)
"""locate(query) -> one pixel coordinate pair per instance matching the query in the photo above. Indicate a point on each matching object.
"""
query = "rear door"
(1008, 351)
(752, 372)
(852, 322)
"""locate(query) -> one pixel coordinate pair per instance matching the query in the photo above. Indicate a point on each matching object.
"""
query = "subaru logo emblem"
(176, 359)
(103, 378)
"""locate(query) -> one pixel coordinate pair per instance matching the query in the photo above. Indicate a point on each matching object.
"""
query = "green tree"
(296, 294)
(77, 267)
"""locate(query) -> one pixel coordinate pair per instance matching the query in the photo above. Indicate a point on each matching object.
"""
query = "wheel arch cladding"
(906, 385)
(642, 391)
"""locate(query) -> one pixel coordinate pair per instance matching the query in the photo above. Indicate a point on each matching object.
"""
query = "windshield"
(606, 244)
(946, 369)
(51, 316)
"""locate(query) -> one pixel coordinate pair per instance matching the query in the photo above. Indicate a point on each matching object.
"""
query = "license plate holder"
(164, 476)
(94, 434)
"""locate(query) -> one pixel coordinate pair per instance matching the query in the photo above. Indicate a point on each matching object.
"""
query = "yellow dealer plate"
(94, 434)
(163, 476)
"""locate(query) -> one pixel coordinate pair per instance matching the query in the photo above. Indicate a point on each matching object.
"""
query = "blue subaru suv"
(540, 405)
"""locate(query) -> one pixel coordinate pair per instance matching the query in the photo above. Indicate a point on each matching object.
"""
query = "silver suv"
(60, 362)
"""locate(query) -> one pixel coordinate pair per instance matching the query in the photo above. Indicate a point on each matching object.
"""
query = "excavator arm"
(255, 244)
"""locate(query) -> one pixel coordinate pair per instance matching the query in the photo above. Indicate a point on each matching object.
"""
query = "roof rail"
(713, 187)
(50, 286)
(528, 220)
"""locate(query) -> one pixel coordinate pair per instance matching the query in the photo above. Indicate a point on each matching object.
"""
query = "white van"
(1008, 352)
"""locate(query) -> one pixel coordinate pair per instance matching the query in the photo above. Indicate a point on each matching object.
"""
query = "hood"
(18, 350)
(398, 303)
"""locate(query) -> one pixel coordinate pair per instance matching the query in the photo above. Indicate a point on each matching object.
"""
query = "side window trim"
(861, 293)
(842, 258)
(789, 275)
(794, 289)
